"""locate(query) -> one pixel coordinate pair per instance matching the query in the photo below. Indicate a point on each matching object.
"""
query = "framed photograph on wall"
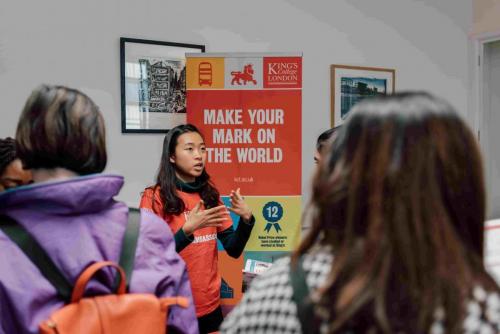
(351, 84)
(153, 84)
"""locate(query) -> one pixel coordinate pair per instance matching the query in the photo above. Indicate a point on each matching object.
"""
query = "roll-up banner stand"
(249, 108)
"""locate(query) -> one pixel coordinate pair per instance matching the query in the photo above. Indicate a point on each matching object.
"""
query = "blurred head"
(61, 127)
(184, 158)
(12, 173)
(400, 198)
(322, 141)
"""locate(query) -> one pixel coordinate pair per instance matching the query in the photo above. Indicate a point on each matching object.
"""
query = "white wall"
(77, 44)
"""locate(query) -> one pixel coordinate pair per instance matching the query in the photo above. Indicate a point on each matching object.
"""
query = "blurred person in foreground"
(396, 244)
(71, 212)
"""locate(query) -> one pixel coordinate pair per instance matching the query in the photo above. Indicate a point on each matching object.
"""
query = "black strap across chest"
(37, 255)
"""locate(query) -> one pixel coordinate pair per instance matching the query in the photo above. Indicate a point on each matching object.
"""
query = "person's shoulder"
(151, 199)
(317, 264)
(267, 305)
(275, 277)
(483, 311)
(151, 191)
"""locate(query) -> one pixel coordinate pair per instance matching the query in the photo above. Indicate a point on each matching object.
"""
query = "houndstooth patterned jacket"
(267, 307)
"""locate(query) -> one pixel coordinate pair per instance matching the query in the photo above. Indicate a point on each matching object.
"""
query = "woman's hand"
(199, 218)
(239, 206)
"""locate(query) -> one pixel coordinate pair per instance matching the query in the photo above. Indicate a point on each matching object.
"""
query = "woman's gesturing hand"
(199, 218)
(239, 206)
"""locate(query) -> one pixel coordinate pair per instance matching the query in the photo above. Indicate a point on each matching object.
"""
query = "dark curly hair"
(7, 153)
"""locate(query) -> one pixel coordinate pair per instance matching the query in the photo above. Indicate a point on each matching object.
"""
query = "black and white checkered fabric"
(267, 307)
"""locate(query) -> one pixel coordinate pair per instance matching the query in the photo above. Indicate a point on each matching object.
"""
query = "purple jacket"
(78, 222)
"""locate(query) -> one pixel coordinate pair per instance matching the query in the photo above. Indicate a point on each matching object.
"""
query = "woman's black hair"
(166, 179)
(325, 137)
(7, 153)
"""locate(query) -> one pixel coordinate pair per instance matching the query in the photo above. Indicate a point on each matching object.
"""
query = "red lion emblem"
(245, 76)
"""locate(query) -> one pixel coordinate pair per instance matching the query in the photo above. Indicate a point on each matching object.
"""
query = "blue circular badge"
(272, 212)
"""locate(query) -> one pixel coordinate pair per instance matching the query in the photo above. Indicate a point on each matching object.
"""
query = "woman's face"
(189, 157)
(14, 176)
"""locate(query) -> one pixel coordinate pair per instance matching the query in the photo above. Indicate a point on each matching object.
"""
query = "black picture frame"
(153, 84)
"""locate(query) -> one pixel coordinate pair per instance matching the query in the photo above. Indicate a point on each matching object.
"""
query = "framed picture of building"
(351, 84)
(153, 84)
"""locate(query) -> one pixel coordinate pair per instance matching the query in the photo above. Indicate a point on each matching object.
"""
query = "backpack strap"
(301, 297)
(129, 245)
(32, 249)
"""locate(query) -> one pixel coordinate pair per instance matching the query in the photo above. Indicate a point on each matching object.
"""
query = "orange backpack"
(119, 313)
